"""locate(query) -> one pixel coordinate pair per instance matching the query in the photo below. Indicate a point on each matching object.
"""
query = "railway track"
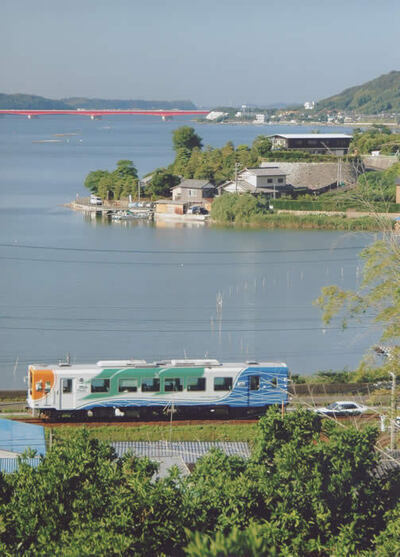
(131, 423)
(166, 422)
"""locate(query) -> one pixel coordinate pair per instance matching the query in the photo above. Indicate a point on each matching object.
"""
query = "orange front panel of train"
(42, 382)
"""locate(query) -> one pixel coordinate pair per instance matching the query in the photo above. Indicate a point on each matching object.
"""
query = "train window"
(173, 385)
(274, 382)
(196, 384)
(128, 385)
(66, 385)
(100, 385)
(222, 383)
(254, 382)
(39, 386)
(150, 385)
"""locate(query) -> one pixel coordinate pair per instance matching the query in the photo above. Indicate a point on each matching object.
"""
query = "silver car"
(342, 408)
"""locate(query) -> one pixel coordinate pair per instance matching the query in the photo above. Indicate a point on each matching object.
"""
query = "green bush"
(298, 494)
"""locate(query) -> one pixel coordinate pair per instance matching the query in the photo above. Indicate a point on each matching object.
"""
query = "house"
(323, 143)
(269, 181)
(317, 177)
(193, 191)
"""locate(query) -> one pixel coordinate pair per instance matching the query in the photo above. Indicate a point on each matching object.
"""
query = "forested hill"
(21, 101)
(379, 95)
(82, 102)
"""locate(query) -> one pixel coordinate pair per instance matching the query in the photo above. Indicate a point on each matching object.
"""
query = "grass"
(205, 432)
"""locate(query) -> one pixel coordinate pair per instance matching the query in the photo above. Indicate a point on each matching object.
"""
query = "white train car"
(137, 388)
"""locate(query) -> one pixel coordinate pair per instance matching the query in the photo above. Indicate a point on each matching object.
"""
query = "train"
(141, 389)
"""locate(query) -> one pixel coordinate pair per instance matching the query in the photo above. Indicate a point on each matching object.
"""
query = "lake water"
(99, 291)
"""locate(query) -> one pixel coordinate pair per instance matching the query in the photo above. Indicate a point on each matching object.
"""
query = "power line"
(178, 263)
(179, 252)
(270, 330)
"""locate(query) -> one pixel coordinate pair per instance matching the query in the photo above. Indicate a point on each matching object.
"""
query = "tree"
(93, 178)
(125, 169)
(186, 138)
(378, 296)
(161, 182)
(263, 145)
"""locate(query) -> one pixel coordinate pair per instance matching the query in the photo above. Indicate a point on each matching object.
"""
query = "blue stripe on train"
(240, 396)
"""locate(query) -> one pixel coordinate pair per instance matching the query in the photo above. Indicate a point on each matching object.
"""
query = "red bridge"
(95, 114)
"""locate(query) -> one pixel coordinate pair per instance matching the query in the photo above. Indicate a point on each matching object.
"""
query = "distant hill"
(379, 95)
(20, 101)
(83, 102)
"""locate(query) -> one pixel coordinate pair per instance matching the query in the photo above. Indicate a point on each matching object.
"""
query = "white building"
(215, 115)
(259, 119)
(309, 105)
(269, 181)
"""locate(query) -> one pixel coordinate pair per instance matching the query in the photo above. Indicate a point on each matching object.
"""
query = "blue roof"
(17, 437)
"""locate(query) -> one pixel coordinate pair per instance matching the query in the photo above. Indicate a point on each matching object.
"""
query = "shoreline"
(281, 219)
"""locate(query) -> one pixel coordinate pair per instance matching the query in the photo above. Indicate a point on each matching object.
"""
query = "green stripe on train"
(114, 374)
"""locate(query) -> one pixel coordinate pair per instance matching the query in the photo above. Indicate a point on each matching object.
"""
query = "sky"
(213, 52)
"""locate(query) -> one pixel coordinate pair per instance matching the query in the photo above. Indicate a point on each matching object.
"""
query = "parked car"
(94, 200)
(342, 408)
(197, 210)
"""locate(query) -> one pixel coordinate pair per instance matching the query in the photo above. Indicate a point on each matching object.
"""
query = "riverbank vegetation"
(309, 488)
(247, 210)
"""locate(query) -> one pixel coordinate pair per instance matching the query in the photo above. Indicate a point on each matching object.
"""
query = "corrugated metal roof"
(9, 465)
(17, 437)
(189, 451)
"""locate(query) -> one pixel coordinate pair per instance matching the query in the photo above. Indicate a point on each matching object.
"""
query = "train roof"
(64, 366)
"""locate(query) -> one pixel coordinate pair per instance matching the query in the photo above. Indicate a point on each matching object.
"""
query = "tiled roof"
(316, 175)
(264, 171)
(193, 184)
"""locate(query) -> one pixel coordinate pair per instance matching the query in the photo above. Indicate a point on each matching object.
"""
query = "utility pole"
(393, 412)
(236, 176)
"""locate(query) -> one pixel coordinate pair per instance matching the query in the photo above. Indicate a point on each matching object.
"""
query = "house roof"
(316, 175)
(265, 171)
(194, 184)
(189, 451)
(313, 135)
(250, 188)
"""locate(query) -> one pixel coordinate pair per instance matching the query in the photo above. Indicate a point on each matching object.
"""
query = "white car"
(342, 408)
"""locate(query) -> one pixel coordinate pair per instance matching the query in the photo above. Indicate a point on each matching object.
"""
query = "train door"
(253, 392)
(67, 393)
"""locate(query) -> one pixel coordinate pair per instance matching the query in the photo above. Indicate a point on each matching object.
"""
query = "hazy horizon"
(213, 53)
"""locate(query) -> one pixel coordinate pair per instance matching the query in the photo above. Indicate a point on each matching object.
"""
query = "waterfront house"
(323, 143)
(270, 181)
(317, 177)
(193, 191)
